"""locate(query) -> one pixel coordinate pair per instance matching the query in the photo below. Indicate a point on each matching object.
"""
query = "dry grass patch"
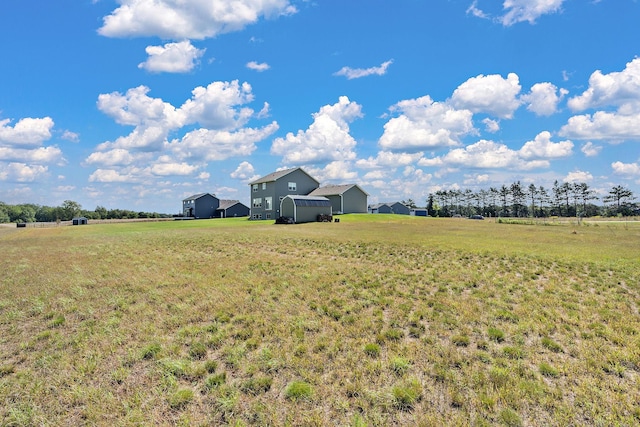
(377, 321)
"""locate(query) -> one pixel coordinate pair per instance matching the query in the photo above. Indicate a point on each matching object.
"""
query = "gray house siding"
(268, 191)
(390, 208)
(305, 208)
(348, 198)
(231, 209)
(400, 209)
(354, 201)
(200, 206)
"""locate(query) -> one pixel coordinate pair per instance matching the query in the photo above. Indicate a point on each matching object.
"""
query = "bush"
(298, 390)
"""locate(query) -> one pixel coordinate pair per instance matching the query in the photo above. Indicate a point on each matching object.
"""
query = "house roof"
(377, 205)
(390, 204)
(279, 174)
(197, 196)
(310, 201)
(226, 204)
(332, 190)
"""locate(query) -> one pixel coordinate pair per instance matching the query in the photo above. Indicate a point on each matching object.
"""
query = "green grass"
(375, 320)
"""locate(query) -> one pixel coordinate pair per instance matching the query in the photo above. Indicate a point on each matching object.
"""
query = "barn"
(304, 208)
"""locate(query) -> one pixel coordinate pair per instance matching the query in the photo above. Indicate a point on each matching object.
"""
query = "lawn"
(376, 320)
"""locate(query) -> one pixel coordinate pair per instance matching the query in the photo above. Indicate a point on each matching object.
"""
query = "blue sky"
(136, 104)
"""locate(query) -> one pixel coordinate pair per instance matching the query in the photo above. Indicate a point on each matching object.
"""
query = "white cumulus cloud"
(578, 176)
(22, 172)
(211, 145)
(193, 19)
(425, 124)
(327, 138)
(485, 154)
(543, 98)
(26, 132)
(617, 97)
(628, 169)
(543, 148)
(490, 94)
(618, 89)
(245, 172)
(178, 57)
(589, 149)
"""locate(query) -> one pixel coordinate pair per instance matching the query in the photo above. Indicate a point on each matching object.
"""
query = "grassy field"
(376, 320)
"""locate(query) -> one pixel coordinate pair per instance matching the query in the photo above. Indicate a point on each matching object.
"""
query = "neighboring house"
(349, 198)
(304, 208)
(80, 221)
(389, 208)
(231, 208)
(203, 205)
(267, 192)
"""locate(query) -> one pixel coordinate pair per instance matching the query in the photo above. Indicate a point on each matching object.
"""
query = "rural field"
(373, 321)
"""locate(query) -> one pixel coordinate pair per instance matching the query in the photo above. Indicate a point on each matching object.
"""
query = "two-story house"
(267, 192)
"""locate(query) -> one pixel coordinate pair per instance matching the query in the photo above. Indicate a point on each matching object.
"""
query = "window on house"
(257, 202)
(268, 216)
(268, 202)
(292, 186)
(264, 185)
(254, 187)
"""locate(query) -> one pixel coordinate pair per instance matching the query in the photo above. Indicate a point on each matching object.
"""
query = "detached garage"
(304, 208)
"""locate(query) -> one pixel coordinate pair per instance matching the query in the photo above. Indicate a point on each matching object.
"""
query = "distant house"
(203, 205)
(232, 208)
(304, 208)
(268, 192)
(348, 198)
(389, 208)
(79, 221)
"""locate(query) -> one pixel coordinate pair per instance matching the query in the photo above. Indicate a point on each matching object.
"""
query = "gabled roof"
(279, 174)
(332, 190)
(226, 204)
(310, 201)
(377, 205)
(197, 196)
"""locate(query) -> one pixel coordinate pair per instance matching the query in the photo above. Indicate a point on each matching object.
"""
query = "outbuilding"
(304, 208)
(79, 221)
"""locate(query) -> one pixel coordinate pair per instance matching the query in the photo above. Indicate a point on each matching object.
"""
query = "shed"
(304, 208)
(79, 221)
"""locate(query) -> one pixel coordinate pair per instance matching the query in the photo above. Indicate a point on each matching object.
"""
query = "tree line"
(69, 209)
(517, 200)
